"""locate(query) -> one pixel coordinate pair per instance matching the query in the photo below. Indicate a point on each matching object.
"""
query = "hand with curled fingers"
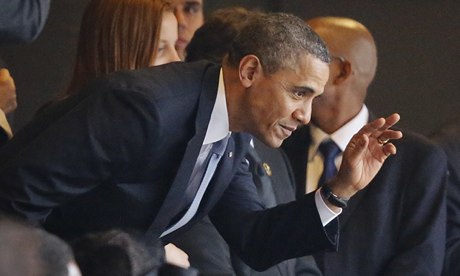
(364, 156)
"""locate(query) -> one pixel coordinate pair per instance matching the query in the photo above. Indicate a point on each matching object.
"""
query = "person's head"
(352, 69)
(112, 252)
(27, 250)
(189, 14)
(122, 35)
(212, 41)
(276, 66)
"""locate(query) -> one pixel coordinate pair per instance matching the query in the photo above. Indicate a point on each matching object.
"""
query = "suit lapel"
(176, 192)
(234, 154)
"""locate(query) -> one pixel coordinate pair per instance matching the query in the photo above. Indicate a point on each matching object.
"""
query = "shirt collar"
(342, 136)
(219, 126)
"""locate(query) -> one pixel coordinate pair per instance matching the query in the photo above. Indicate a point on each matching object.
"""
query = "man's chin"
(272, 142)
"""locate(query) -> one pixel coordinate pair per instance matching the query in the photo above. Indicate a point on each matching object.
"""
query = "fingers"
(387, 122)
(380, 129)
(388, 135)
(389, 149)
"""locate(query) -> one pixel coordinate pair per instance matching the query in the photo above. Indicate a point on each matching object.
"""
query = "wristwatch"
(333, 198)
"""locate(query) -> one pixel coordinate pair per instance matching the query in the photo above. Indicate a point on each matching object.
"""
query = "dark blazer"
(274, 181)
(22, 20)
(449, 139)
(120, 155)
(396, 225)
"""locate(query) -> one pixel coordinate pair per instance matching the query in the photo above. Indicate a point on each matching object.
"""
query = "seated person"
(396, 226)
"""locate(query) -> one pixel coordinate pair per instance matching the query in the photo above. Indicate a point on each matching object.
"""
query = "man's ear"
(344, 72)
(250, 67)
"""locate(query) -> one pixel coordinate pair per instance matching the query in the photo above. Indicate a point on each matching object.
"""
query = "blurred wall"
(418, 44)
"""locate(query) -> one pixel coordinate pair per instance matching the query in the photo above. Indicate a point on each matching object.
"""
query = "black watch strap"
(332, 198)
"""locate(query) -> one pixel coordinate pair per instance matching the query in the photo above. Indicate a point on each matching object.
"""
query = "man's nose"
(303, 114)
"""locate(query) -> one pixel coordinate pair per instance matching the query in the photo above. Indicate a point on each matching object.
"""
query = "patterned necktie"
(201, 176)
(330, 151)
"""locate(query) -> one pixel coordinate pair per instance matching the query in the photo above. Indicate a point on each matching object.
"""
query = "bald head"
(354, 61)
(351, 40)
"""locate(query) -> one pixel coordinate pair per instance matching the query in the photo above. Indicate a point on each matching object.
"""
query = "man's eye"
(299, 94)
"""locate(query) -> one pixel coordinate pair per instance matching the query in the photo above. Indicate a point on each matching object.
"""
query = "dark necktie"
(330, 151)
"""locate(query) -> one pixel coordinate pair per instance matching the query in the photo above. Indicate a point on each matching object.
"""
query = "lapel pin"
(230, 154)
(267, 169)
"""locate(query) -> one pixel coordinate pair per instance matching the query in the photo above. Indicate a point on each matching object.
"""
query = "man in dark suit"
(131, 150)
(22, 20)
(271, 171)
(395, 226)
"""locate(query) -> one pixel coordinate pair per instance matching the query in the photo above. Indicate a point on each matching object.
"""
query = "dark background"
(418, 43)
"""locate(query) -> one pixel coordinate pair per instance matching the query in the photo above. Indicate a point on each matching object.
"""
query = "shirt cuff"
(325, 213)
(5, 125)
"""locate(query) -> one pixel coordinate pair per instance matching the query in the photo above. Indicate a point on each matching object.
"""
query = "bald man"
(396, 226)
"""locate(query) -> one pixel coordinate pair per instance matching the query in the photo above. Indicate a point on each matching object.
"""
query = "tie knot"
(329, 149)
(219, 147)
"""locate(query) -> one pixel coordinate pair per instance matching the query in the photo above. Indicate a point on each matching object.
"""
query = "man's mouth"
(287, 130)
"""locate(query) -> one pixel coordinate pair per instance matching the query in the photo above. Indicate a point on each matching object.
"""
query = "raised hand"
(364, 156)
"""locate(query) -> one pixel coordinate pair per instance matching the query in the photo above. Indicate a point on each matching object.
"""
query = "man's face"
(279, 103)
(189, 14)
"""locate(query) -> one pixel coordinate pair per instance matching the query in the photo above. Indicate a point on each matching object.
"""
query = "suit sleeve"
(422, 229)
(22, 20)
(263, 238)
(73, 147)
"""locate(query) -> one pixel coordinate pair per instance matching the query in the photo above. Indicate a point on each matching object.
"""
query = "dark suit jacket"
(275, 184)
(396, 225)
(449, 139)
(22, 20)
(120, 155)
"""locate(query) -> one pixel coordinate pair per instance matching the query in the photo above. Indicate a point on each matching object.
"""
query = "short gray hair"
(278, 40)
